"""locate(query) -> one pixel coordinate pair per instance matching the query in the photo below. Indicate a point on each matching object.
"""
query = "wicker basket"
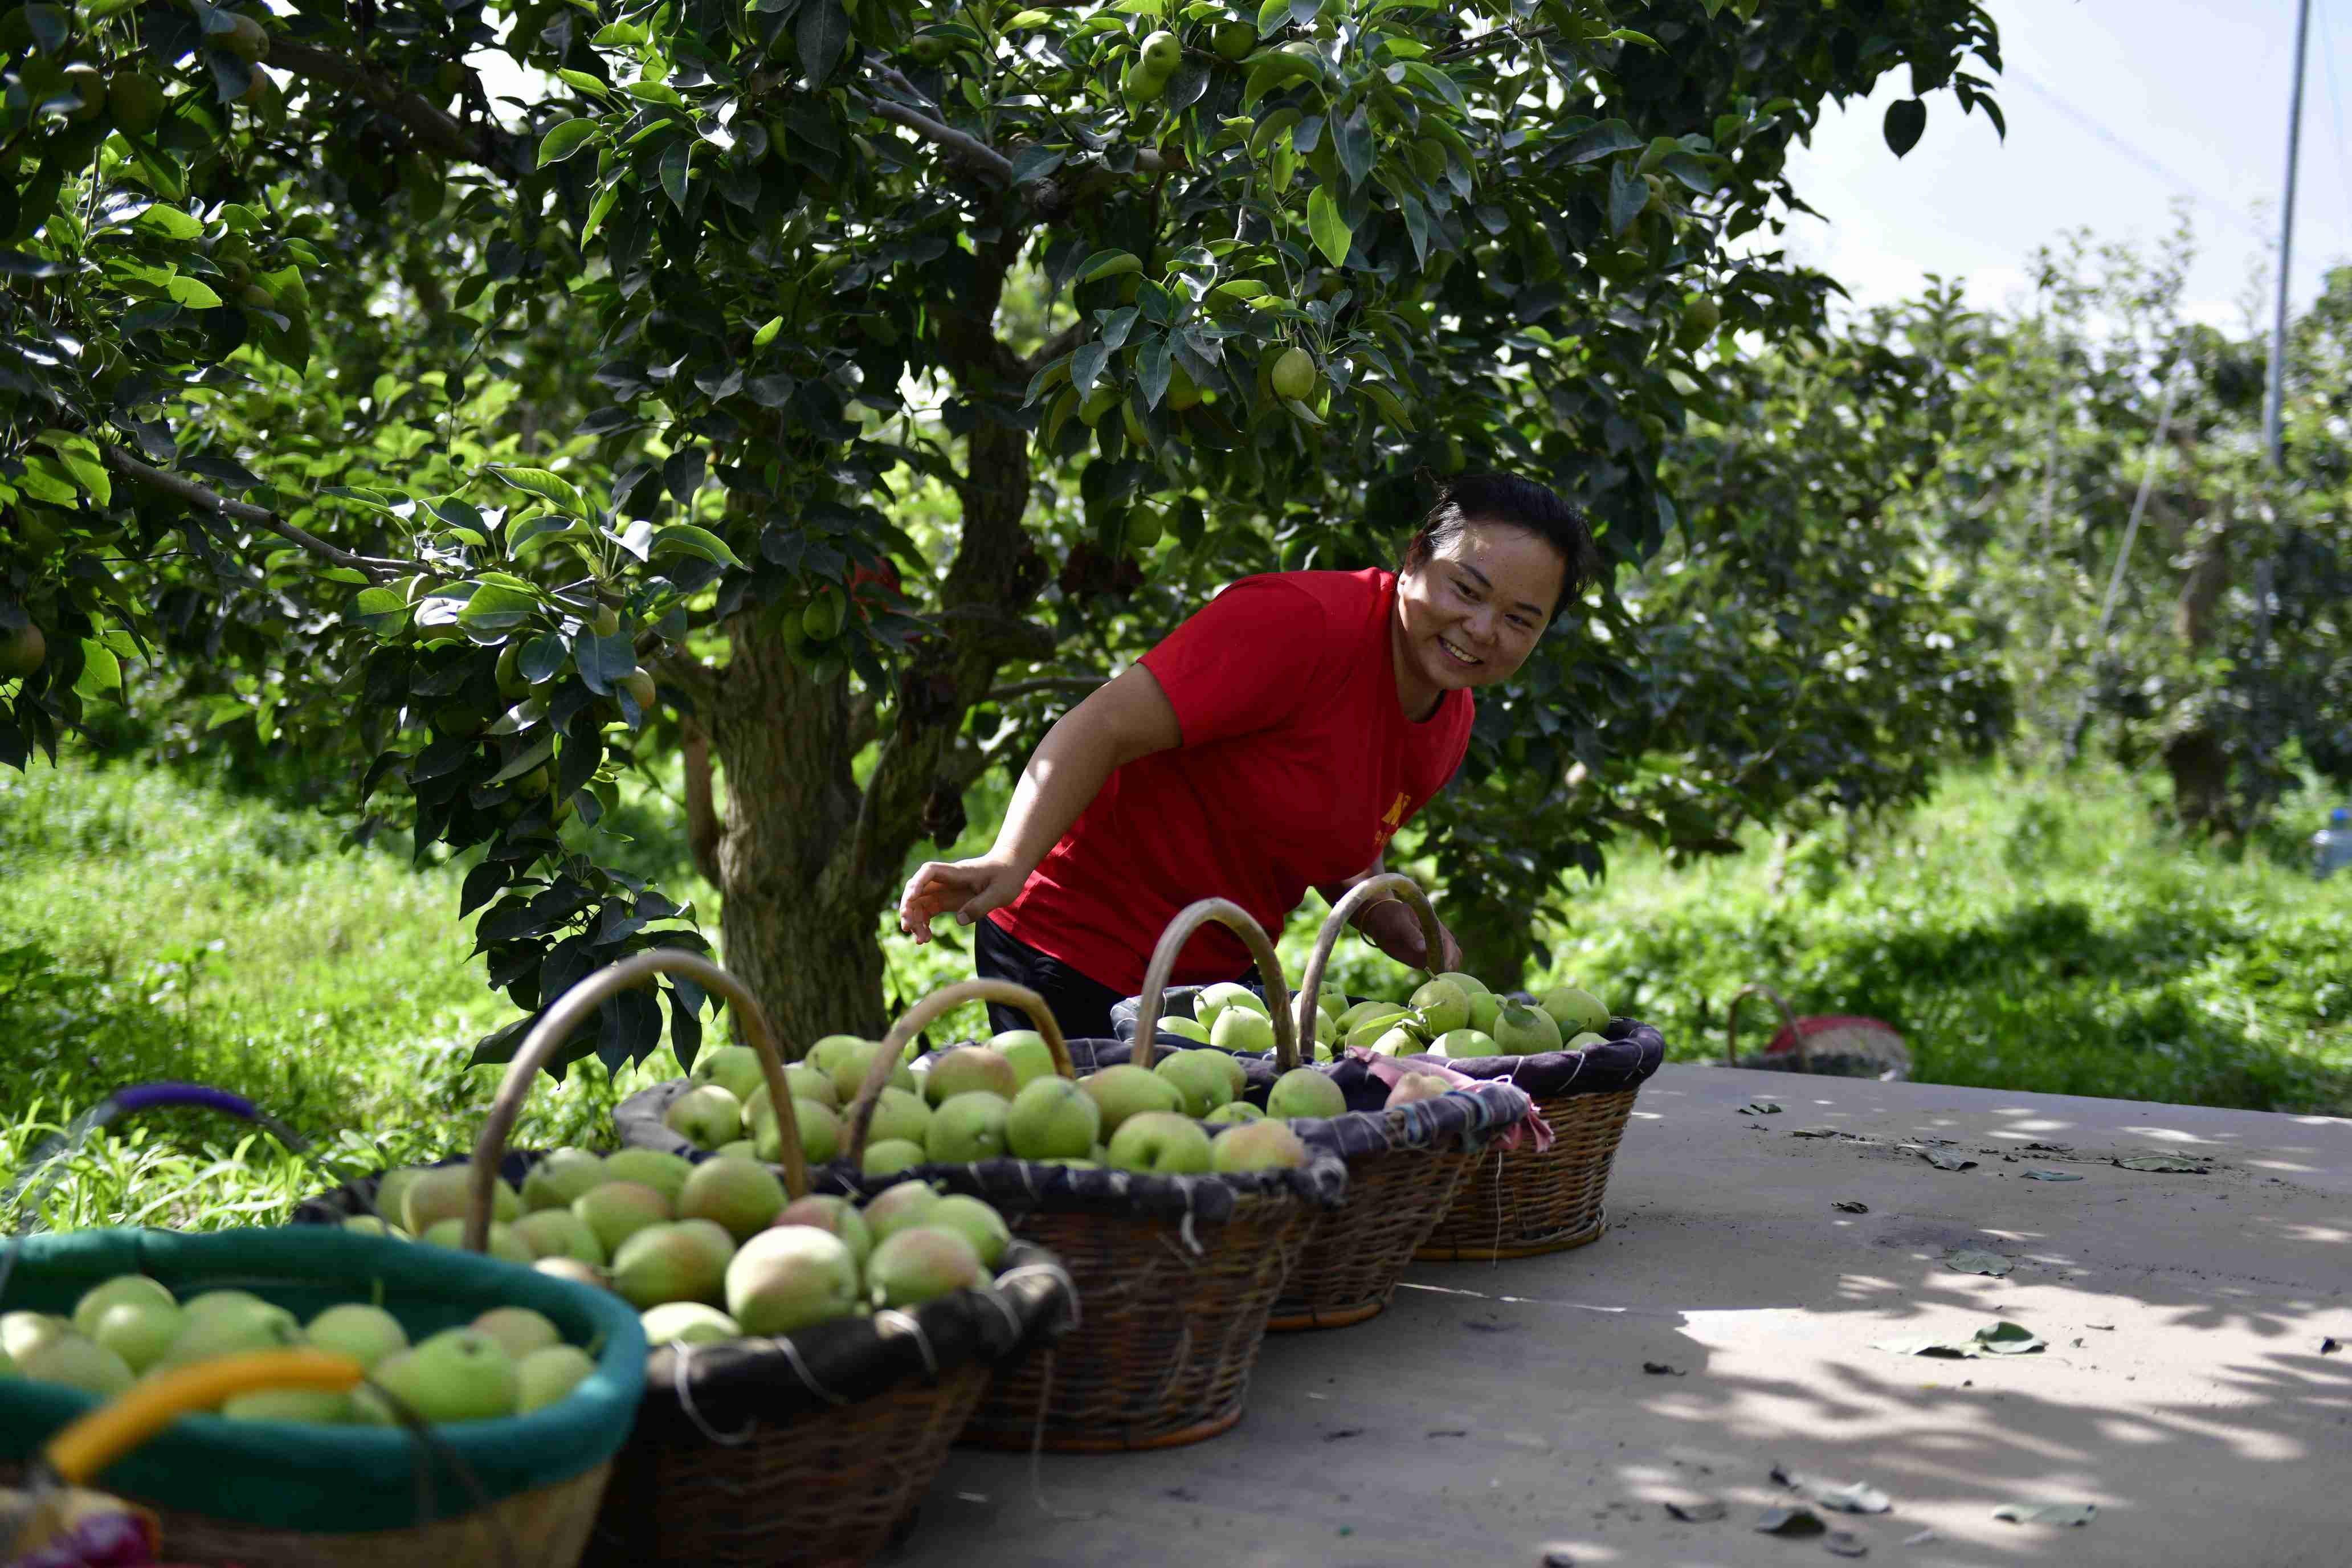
(1171, 1312)
(1354, 1255)
(828, 1487)
(1518, 1203)
(1839, 1046)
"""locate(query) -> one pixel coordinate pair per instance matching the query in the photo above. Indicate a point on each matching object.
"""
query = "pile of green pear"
(1455, 1014)
(708, 1251)
(510, 1361)
(1003, 1099)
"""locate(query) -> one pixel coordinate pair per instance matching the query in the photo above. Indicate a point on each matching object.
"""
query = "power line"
(2189, 188)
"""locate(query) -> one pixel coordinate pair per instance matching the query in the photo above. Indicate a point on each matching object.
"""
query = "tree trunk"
(2194, 754)
(2200, 780)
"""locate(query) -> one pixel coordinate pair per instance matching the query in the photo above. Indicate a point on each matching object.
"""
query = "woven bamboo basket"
(1519, 1202)
(828, 1489)
(1171, 1313)
(1354, 1256)
(1837, 1046)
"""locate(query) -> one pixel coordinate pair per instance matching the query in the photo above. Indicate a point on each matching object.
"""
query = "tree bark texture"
(2194, 754)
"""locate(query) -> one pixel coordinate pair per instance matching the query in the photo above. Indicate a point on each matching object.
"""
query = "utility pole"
(2271, 404)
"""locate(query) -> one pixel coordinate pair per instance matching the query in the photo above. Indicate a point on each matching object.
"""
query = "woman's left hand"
(1393, 927)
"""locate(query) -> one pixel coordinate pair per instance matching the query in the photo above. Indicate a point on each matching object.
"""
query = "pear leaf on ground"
(2036, 1174)
(1850, 1205)
(1697, 1512)
(2008, 1339)
(1846, 1543)
(2179, 1163)
(1943, 1160)
(2047, 1512)
(1761, 1107)
(1790, 1521)
(1859, 1497)
(1972, 1260)
(1927, 1345)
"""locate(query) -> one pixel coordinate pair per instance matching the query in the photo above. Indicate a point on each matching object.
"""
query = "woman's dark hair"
(1510, 501)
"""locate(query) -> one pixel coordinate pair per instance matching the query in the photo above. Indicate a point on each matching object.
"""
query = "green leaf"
(1599, 141)
(102, 672)
(1108, 264)
(529, 759)
(1762, 1107)
(686, 539)
(586, 83)
(554, 488)
(1628, 195)
(1906, 119)
(1389, 403)
(675, 159)
(1974, 1260)
(2038, 1174)
(562, 141)
(767, 334)
(1332, 234)
(496, 607)
(193, 292)
(2178, 1165)
(2073, 1513)
(2008, 1338)
(170, 222)
(601, 210)
(822, 31)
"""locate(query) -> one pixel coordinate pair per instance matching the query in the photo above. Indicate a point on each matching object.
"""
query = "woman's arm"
(1127, 718)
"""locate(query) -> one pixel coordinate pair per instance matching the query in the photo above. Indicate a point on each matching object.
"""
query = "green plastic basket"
(322, 1480)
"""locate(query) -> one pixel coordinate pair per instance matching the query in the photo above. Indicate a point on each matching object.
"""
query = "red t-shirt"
(1296, 766)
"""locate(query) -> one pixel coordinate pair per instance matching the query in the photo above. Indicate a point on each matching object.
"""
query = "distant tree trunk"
(2193, 753)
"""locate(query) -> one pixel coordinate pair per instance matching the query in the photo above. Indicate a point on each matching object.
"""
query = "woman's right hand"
(968, 887)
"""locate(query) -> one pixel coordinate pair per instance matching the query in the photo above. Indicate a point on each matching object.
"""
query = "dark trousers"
(1080, 1004)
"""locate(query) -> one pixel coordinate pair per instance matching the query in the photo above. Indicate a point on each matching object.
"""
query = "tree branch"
(1047, 683)
(378, 568)
(428, 122)
(696, 681)
(966, 149)
(1055, 347)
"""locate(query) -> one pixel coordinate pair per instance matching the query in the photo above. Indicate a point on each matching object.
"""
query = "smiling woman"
(1274, 742)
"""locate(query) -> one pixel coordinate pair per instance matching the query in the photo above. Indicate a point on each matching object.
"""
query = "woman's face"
(1471, 612)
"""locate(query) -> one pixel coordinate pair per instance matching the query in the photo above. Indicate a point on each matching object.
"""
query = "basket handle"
(555, 1026)
(1731, 1025)
(919, 1017)
(1190, 919)
(113, 1429)
(1368, 891)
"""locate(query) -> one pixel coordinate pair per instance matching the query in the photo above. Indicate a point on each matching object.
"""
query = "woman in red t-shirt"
(1272, 743)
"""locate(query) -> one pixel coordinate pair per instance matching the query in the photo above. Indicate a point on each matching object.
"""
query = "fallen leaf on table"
(1849, 1206)
(2329, 1346)
(2109, 1327)
(1927, 1345)
(1660, 1368)
(1859, 1497)
(1973, 1260)
(1846, 1543)
(2047, 1512)
(1815, 1132)
(1943, 1160)
(1790, 1521)
(2181, 1163)
(1761, 1107)
(2038, 1174)
(1921, 1539)
(1697, 1512)
(2008, 1338)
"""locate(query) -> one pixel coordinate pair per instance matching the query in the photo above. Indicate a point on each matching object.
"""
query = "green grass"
(2023, 933)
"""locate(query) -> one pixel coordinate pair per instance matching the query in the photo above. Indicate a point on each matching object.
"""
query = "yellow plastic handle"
(108, 1433)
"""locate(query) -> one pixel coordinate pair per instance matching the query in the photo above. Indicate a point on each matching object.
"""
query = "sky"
(2117, 108)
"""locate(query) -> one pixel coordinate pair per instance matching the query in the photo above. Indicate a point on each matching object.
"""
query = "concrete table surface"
(1498, 1413)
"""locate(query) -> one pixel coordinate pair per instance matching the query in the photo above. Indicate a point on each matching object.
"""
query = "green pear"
(1234, 1113)
(1026, 1049)
(519, 1329)
(1129, 1090)
(889, 1156)
(1585, 1041)
(1239, 1029)
(838, 1216)
(1304, 1091)
(548, 1377)
(459, 1375)
(1361, 1012)
(1199, 1077)
(687, 1323)
(744, 1149)
(900, 1207)
(111, 1292)
(1163, 1142)
(1415, 1085)
(742, 1195)
(76, 1362)
(789, 1277)
(141, 1331)
(312, 1406)
(921, 1265)
(22, 1332)
(367, 1334)
(976, 1222)
(391, 1192)
(1052, 1118)
(1470, 983)
(966, 1128)
(1211, 1001)
(1183, 1028)
(1366, 1034)
(850, 1068)
(1573, 1010)
(558, 1180)
(1485, 1008)
(571, 1268)
(614, 1211)
(735, 1068)
(500, 1243)
(828, 1050)
(1444, 1006)
(662, 1171)
(684, 1261)
(899, 1113)
(970, 1069)
(1257, 1146)
(1399, 1041)
(445, 1192)
(706, 1117)
(1464, 1043)
(1522, 1031)
(821, 1130)
(368, 1225)
(229, 1328)
(559, 1233)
